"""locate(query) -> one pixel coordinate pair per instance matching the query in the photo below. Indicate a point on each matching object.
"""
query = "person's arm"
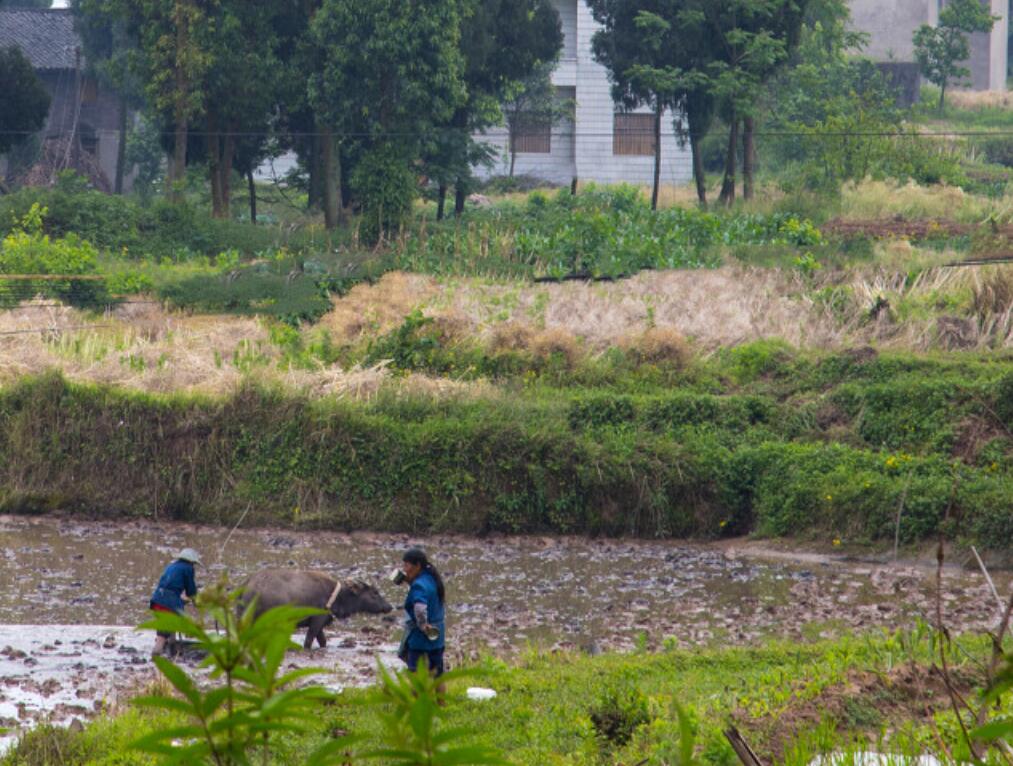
(190, 583)
(421, 613)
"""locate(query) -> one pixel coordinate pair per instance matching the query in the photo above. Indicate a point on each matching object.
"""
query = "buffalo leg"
(316, 631)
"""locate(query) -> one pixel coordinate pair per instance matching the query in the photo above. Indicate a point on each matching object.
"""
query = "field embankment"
(759, 439)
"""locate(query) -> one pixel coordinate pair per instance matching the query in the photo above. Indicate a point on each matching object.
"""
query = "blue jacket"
(423, 590)
(177, 579)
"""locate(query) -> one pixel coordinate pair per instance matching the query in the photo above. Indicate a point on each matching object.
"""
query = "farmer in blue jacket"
(177, 579)
(425, 629)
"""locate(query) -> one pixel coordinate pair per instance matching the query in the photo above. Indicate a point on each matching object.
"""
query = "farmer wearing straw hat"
(177, 579)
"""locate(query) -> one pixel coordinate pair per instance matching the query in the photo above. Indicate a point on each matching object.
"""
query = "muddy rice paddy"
(71, 592)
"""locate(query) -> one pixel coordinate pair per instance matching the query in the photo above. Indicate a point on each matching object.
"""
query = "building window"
(532, 136)
(89, 90)
(633, 134)
(89, 138)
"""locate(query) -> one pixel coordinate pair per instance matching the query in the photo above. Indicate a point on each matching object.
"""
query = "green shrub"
(27, 251)
(385, 183)
(600, 232)
(618, 714)
(666, 463)
(289, 299)
(161, 230)
(997, 149)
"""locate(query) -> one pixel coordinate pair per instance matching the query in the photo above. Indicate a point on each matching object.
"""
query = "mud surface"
(898, 227)
(62, 580)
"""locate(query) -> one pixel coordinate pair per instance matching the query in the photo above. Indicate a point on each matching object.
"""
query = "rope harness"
(334, 595)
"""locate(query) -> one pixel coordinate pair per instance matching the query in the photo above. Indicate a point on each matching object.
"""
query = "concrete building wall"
(584, 149)
(891, 25)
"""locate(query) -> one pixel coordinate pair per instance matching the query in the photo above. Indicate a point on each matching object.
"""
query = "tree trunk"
(228, 158)
(441, 201)
(657, 156)
(942, 99)
(460, 195)
(748, 156)
(121, 148)
(728, 184)
(345, 176)
(177, 170)
(699, 175)
(332, 193)
(214, 153)
(513, 151)
(315, 191)
(252, 187)
(178, 167)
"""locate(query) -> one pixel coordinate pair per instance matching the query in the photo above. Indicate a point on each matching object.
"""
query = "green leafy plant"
(409, 706)
(941, 50)
(250, 699)
(26, 250)
(618, 714)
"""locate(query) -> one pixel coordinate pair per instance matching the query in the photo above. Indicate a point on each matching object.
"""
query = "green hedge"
(487, 466)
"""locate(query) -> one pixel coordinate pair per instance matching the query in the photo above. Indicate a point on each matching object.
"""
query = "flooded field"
(71, 592)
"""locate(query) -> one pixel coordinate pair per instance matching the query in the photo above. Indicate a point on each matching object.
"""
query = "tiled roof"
(45, 36)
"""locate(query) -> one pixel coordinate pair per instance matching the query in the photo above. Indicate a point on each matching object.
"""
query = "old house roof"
(45, 36)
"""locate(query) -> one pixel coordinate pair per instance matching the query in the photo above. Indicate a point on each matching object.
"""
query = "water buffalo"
(299, 587)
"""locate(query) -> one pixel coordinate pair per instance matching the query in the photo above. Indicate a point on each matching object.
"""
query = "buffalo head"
(357, 597)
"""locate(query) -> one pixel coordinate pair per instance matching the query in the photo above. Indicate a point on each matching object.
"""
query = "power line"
(54, 329)
(573, 134)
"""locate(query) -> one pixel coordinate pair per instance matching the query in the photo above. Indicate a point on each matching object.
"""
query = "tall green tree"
(503, 43)
(242, 88)
(642, 45)
(391, 72)
(942, 50)
(108, 47)
(533, 102)
(25, 99)
(174, 53)
(753, 38)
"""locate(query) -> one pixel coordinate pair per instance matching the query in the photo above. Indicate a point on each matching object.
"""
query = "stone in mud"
(50, 687)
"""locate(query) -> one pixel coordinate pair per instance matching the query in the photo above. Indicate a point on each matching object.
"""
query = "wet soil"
(862, 704)
(898, 227)
(72, 590)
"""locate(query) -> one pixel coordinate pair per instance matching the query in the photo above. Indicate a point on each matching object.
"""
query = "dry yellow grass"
(378, 308)
(556, 341)
(888, 199)
(988, 99)
(144, 347)
(658, 344)
(510, 336)
(657, 315)
(714, 307)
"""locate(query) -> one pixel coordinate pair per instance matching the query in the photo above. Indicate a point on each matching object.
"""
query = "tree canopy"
(942, 50)
(26, 102)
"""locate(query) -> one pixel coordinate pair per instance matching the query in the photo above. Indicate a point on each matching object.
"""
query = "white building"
(601, 144)
(891, 27)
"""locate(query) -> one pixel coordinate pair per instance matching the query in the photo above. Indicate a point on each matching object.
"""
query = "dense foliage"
(570, 709)
(600, 232)
(26, 102)
(831, 446)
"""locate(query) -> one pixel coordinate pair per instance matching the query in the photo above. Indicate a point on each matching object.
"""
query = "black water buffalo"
(299, 587)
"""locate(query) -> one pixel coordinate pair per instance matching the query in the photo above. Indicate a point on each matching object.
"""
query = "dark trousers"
(434, 660)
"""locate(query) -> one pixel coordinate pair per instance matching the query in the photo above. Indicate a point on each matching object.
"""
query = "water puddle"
(71, 590)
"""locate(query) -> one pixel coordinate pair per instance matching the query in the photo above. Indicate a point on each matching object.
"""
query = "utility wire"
(54, 329)
(500, 132)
